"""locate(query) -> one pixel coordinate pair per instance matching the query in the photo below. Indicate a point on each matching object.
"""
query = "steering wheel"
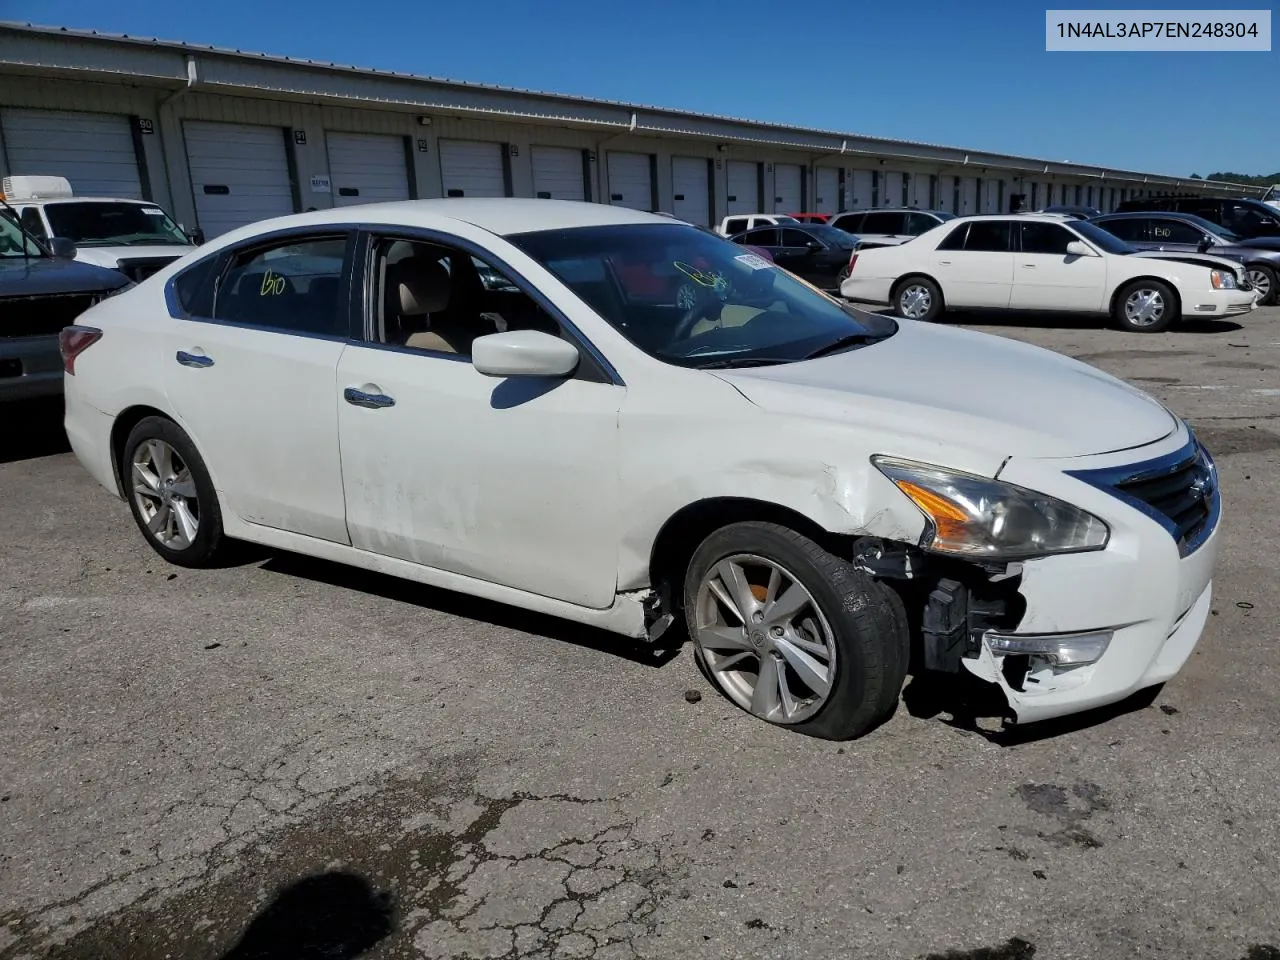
(703, 308)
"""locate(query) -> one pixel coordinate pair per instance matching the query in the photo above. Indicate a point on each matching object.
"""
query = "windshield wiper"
(742, 362)
(851, 340)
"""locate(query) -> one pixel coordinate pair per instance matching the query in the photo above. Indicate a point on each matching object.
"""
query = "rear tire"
(1146, 306)
(793, 634)
(170, 493)
(918, 298)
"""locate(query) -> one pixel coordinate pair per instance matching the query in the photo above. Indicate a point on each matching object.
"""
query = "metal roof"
(785, 135)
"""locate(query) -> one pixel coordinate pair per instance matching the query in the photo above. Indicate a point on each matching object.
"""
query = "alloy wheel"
(165, 494)
(1261, 282)
(764, 639)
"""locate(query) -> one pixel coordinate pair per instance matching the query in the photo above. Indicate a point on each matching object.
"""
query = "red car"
(811, 217)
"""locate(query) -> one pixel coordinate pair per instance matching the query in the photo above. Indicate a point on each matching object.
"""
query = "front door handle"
(194, 359)
(374, 401)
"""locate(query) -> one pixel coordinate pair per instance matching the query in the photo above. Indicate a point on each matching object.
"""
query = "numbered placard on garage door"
(691, 190)
(366, 168)
(558, 173)
(787, 192)
(239, 174)
(472, 168)
(94, 151)
(631, 180)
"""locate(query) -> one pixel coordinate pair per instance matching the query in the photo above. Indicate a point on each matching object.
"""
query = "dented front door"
(513, 481)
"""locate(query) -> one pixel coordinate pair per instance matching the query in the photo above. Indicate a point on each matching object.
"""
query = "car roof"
(501, 215)
(1134, 214)
(48, 201)
(889, 210)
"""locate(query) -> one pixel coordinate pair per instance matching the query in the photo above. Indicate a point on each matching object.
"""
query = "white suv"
(888, 228)
(736, 224)
(135, 237)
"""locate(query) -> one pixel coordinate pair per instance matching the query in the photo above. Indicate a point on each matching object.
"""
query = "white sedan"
(643, 424)
(1039, 262)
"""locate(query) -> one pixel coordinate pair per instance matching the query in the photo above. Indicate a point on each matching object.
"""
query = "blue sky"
(971, 74)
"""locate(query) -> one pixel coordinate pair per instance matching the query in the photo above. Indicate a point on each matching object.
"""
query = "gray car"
(1176, 232)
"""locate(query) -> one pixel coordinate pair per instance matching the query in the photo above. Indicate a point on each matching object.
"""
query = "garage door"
(918, 190)
(239, 174)
(472, 168)
(743, 187)
(786, 188)
(826, 190)
(92, 150)
(891, 195)
(691, 190)
(968, 196)
(366, 168)
(860, 190)
(630, 181)
(557, 173)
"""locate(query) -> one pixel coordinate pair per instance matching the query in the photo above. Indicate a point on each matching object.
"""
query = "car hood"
(1267, 244)
(112, 256)
(49, 276)
(980, 391)
(1196, 259)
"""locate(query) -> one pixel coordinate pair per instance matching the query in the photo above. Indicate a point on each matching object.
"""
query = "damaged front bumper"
(1068, 633)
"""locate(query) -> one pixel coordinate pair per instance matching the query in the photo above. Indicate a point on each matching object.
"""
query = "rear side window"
(1132, 229)
(918, 223)
(851, 223)
(955, 239)
(884, 223)
(795, 238)
(766, 237)
(990, 236)
(294, 286)
(194, 287)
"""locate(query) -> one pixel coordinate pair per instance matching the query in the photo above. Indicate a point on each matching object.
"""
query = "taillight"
(73, 341)
(852, 261)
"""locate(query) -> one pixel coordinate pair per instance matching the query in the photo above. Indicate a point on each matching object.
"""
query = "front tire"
(1263, 280)
(918, 298)
(794, 634)
(1146, 306)
(170, 493)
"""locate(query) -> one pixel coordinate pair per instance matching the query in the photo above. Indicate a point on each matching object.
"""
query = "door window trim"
(224, 256)
(595, 367)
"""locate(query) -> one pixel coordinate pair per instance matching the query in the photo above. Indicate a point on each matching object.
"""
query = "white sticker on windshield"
(153, 211)
(754, 261)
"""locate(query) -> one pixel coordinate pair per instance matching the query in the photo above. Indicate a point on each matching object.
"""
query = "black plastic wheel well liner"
(128, 418)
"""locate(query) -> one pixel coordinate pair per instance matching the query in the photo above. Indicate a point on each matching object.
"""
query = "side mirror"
(196, 236)
(523, 353)
(1205, 243)
(63, 248)
(1078, 248)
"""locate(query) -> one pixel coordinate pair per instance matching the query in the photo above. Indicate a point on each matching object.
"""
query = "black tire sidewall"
(1172, 313)
(209, 536)
(1273, 295)
(871, 653)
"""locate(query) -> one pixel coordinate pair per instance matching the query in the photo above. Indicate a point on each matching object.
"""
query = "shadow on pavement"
(474, 608)
(329, 916)
(1074, 321)
(31, 428)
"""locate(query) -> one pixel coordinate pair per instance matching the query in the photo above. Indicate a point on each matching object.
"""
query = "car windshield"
(113, 224)
(1109, 242)
(694, 300)
(834, 235)
(13, 242)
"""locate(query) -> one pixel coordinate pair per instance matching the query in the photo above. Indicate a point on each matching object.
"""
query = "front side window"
(766, 237)
(109, 224)
(1174, 231)
(294, 286)
(988, 236)
(796, 238)
(31, 220)
(1133, 229)
(722, 306)
(1045, 238)
(437, 298)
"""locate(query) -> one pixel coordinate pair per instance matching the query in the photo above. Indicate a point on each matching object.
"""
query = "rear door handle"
(374, 401)
(194, 359)
(945, 263)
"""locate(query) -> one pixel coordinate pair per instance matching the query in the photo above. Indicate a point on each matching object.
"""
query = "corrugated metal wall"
(159, 117)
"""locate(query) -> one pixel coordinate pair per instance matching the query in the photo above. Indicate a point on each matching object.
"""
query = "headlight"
(1222, 280)
(975, 517)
